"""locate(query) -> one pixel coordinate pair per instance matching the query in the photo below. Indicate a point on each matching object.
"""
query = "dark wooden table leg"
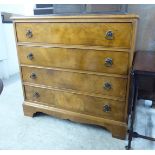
(1, 86)
(128, 147)
(153, 105)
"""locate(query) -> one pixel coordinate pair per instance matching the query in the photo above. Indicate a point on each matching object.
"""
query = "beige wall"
(146, 26)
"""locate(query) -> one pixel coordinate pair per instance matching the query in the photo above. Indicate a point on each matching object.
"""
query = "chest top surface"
(84, 16)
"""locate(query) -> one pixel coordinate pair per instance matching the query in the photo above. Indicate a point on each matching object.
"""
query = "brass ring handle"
(107, 86)
(109, 35)
(106, 108)
(30, 56)
(29, 34)
(36, 95)
(108, 62)
(33, 76)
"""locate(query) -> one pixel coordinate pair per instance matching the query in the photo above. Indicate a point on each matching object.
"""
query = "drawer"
(117, 35)
(76, 102)
(80, 59)
(83, 82)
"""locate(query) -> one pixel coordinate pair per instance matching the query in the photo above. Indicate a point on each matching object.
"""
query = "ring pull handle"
(108, 62)
(106, 108)
(36, 95)
(33, 76)
(30, 56)
(29, 34)
(109, 35)
(107, 86)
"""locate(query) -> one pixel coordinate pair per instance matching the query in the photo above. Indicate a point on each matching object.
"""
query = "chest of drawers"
(77, 67)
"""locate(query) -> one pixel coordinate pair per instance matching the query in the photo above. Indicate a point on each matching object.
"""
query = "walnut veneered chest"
(77, 67)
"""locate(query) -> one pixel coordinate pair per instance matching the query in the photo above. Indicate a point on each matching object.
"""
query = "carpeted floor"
(46, 132)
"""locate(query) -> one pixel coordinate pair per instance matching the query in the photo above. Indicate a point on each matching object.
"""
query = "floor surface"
(45, 132)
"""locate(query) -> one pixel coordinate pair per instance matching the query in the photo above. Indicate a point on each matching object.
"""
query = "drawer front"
(90, 83)
(89, 60)
(75, 102)
(100, 34)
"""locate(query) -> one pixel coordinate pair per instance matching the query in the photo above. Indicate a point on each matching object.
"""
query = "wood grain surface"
(82, 82)
(76, 33)
(68, 55)
(80, 59)
(75, 102)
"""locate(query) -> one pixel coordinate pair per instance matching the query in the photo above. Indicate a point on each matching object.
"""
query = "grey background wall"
(146, 26)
